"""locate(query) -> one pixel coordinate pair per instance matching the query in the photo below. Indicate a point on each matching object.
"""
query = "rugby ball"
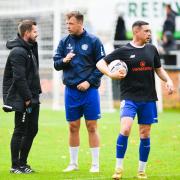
(116, 65)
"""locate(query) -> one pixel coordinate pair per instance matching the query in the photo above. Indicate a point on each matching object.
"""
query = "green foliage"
(49, 154)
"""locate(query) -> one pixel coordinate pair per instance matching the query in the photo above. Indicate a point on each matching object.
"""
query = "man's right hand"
(120, 74)
(69, 57)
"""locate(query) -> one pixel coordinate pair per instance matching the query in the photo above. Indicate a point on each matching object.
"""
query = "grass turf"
(49, 153)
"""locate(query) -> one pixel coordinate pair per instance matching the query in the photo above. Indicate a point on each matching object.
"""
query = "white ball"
(116, 65)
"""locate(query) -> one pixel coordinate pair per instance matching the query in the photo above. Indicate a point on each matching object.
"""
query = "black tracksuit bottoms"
(26, 128)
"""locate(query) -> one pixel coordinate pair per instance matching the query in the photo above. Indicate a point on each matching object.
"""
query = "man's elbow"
(158, 70)
(99, 63)
(56, 67)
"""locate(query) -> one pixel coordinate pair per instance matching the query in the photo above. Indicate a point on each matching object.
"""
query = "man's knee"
(144, 134)
(73, 128)
(91, 127)
(34, 133)
(126, 124)
(126, 130)
(144, 131)
(18, 134)
(19, 131)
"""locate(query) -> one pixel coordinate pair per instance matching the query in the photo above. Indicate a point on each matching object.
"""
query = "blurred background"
(109, 20)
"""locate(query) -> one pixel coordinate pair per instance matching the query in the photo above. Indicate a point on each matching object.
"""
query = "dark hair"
(79, 16)
(139, 24)
(25, 25)
(168, 6)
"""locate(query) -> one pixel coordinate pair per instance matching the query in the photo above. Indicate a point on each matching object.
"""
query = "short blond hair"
(78, 15)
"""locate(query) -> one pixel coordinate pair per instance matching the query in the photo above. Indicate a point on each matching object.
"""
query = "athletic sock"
(73, 154)
(144, 150)
(121, 147)
(119, 163)
(95, 156)
(142, 166)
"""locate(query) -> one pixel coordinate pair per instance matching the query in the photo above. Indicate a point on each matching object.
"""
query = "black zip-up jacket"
(21, 80)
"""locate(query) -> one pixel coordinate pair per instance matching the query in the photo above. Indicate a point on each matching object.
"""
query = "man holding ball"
(138, 93)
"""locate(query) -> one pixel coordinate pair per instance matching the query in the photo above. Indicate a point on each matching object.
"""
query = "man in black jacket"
(170, 21)
(21, 89)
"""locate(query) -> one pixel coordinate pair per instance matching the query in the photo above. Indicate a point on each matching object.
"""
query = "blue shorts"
(146, 111)
(79, 103)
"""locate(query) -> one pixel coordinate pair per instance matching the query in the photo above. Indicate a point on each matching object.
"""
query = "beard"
(32, 40)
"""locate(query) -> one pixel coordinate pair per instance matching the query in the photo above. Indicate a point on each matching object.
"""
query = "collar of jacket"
(30, 44)
(79, 36)
(19, 42)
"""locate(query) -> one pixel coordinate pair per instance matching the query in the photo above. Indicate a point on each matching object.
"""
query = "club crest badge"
(84, 47)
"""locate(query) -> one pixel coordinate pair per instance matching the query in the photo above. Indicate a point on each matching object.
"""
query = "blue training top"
(88, 50)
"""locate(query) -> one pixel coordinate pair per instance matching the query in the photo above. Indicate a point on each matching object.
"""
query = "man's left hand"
(170, 86)
(83, 86)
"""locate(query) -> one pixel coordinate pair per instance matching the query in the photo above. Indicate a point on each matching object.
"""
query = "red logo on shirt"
(142, 63)
(142, 67)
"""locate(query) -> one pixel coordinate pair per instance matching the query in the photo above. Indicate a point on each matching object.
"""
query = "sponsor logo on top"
(142, 67)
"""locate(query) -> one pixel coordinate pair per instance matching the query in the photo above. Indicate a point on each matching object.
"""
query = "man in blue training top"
(138, 93)
(77, 55)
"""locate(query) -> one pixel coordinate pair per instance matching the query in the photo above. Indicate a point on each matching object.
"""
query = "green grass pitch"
(49, 153)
